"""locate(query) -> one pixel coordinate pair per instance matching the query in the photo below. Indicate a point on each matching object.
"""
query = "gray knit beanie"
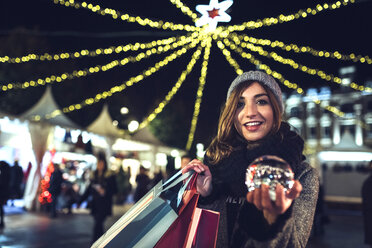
(263, 78)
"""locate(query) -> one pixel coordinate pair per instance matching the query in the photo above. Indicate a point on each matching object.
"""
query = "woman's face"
(254, 117)
(100, 165)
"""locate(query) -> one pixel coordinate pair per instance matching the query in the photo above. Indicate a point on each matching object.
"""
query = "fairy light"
(229, 59)
(116, 89)
(297, 66)
(174, 90)
(287, 18)
(199, 93)
(93, 53)
(97, 68)
(184, 9)
(306, 49)
(125, 17)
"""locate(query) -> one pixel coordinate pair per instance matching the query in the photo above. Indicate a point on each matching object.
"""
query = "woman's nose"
(250, 110)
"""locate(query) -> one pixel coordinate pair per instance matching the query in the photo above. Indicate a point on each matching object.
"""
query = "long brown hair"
(227, 138)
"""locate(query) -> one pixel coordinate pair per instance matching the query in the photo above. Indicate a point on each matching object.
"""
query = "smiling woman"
(250, 126)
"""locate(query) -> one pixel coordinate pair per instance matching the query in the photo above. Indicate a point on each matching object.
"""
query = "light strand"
(303, 13)
(94, 69)
(195, 57)
(116, 89)
(306, 49)
(199, 93)
(125, 17)
(186, 10)
(297, 66)
(92, 53)
(228, 57)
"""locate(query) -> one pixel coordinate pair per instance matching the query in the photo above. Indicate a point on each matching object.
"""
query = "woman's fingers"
(197, 166)
(295, 191)
(257, 198)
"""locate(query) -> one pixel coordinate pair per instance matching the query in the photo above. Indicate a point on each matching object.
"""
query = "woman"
(102, 187)
(250, 126)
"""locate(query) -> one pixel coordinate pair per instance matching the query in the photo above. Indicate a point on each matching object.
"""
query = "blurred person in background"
(55, 188)
(4, 189)
(102, 188)
(123, 184)
(143, 184)
(16, 179)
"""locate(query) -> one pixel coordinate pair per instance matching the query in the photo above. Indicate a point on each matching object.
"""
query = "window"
(326, 132)
(295, 112)
(312, 133)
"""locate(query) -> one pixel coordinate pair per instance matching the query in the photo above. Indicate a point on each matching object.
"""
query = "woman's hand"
(204, 179)
(272, 209)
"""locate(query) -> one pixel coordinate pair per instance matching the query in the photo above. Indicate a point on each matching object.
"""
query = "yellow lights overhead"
(295, 65)
(304, 49)
(96, 52)
(229, 59)
(84, 72)
(199, 94)
(174, 90)
(287, 18)
(125, 17)
(186, 10)
(106, 94)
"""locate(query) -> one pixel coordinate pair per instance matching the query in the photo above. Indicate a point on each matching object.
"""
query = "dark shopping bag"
(203, 230)
(194, 228)
(178, 231)
(147, 221)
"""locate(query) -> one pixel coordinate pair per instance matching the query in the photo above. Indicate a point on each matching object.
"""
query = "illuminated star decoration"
(213, 13)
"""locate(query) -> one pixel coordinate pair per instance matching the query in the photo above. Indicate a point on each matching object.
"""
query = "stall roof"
(46, 105)
(103, 125)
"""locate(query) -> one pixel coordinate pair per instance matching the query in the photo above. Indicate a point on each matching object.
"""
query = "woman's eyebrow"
(256, 96)
(259, 95)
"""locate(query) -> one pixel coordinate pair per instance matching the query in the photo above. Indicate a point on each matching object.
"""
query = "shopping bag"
(194, 227)
(146, 222)
(177, 233)
(203, 229)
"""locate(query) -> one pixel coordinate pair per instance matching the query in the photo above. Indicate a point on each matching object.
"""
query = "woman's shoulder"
(306, 172)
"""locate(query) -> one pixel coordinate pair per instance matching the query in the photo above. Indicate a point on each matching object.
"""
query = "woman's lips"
(253, 126)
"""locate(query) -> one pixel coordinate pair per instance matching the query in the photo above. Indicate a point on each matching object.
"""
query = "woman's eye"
(262, 102)
(240, 104)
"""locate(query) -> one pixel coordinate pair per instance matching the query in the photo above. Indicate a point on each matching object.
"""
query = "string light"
(106, 94)
(229, 59)
(97, 68)
(305, 49)
(125, 17)
(186, 10)
(199, 93)
(174, 90)
(93, 53)
(287, 18)
(294, 65)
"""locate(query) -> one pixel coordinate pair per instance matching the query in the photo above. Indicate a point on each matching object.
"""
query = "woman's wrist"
(270, 217)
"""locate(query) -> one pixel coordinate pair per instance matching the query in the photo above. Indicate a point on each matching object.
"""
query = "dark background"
(41, 26)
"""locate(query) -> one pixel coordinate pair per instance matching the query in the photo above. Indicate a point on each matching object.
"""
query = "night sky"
(52, 28)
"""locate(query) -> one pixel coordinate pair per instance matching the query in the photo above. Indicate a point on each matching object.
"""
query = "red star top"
(213, 13)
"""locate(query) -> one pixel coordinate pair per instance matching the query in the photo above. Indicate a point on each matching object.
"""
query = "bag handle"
(187, 175)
